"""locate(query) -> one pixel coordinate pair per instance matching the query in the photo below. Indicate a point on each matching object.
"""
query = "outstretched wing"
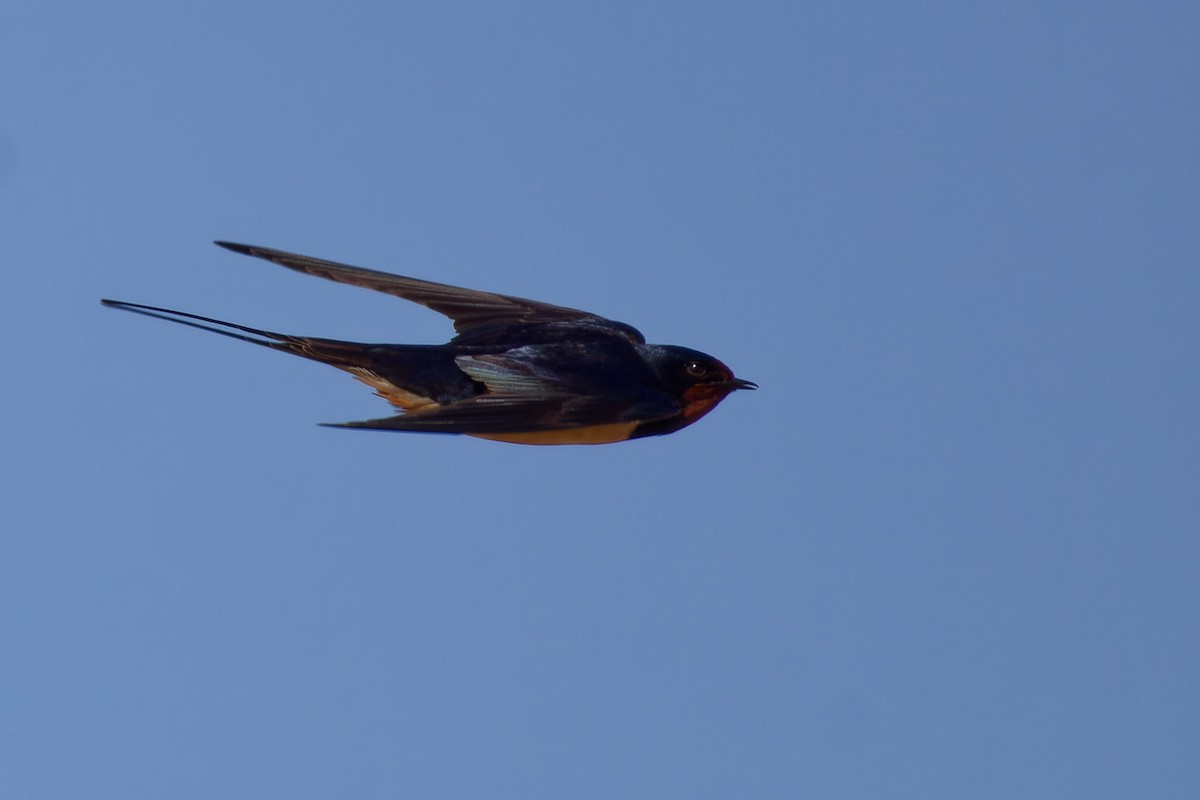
(524, 420)
(471, 310)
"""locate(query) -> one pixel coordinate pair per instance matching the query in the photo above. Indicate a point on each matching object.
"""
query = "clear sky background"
(951, 548)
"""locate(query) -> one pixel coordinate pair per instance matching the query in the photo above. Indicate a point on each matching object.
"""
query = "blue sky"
(949, 549)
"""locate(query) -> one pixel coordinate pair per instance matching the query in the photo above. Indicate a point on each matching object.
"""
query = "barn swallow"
(518, 371)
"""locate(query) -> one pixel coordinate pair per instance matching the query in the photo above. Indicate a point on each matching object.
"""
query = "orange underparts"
(592, 434)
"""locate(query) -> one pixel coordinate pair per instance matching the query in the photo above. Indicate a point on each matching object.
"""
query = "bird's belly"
(592, 434)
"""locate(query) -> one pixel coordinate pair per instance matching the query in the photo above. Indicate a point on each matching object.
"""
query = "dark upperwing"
(479, 317)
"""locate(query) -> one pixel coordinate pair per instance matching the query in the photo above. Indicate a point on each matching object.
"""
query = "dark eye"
(697, 369)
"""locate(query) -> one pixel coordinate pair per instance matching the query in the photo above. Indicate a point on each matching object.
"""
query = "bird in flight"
(518, 371)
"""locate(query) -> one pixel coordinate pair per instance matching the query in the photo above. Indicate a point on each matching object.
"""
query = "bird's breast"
(591, 434)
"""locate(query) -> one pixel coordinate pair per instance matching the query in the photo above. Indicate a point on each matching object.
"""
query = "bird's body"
(518, 371)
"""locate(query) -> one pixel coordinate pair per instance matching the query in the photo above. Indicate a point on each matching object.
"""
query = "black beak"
(738, 383)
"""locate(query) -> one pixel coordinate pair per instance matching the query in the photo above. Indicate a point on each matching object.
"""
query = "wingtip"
(244, 249)
(343, 425)
(394, 423)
